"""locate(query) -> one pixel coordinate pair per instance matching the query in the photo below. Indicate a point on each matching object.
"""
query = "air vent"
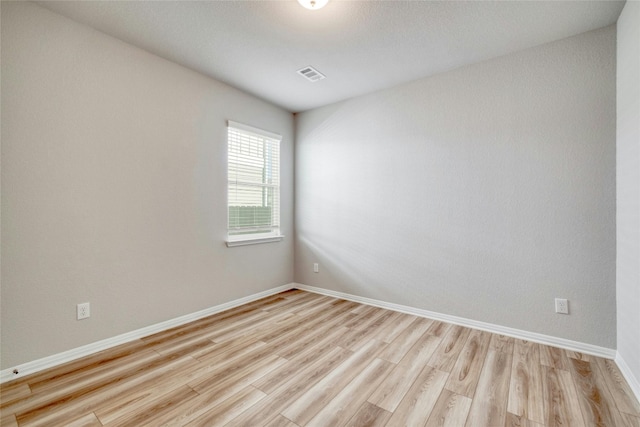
(311, 74)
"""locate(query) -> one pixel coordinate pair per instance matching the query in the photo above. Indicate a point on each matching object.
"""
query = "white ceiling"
(361, 46)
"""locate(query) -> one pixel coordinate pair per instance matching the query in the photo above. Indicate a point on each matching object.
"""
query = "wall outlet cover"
(83, 311)
(562, 306)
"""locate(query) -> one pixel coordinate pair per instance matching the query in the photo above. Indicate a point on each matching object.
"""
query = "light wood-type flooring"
(302, 359)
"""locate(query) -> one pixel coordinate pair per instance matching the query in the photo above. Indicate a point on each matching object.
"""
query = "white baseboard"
(73, 354)
(76, 353)
(489, 327)
(633, 382)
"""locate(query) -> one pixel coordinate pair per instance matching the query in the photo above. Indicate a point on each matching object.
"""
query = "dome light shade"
(313, 4)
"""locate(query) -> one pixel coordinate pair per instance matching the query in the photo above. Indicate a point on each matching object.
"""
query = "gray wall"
(483, 192)
(114, 188)
(628, 187)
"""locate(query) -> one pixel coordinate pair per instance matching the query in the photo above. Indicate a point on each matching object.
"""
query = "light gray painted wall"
(483, 192)
(628, 186)
(114, 188)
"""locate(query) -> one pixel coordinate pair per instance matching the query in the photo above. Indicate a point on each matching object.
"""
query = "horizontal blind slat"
(254, 179)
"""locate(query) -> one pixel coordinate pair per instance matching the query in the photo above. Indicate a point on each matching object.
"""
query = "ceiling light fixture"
(313, 4)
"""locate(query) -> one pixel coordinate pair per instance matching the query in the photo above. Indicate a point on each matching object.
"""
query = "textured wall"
(114, 188)
(483, 192)
(628, 186)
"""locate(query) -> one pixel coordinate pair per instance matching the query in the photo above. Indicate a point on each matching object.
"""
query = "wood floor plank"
(289, 339)
(577, 355)
(80, 398)
(390, 392)
(189, 337)
(345, 404)
(502, 343)
(321, 304)
(618, 387)
(417, 404)
(365, 329)
(596, 402)
(327, 336)
(281, 421)
(354, 339)
(239, 367)
(187, 347)
(292, 389)
(336, 306)
(631, 421)
(151, 389)
(326, 324)
(297, 365)
(363, 316)
(80, 365)
(328, 311)
(210, 324)
(227, 352)
(216, 395)
(215, 323)
(553, 357)
(489, 407)
(397, 325)
(288, 327)
(466, 371)
(438, 329)
(8, 421)
(89, 420)
(399, 347)
(229, 409)
(89, 373)
(306, 300)
(449, 349)
(145, 414)
(375, 323)
(562, 407)
(450, 410)
(317, 397)
(210, 399)
(525, 390)
(514, 420)
(360, 308)
(267, 327)
(309, 335)
(11, 394)
(369, 415)
(57, 412)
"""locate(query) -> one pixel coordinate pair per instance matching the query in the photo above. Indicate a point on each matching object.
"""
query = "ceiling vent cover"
(311, 74)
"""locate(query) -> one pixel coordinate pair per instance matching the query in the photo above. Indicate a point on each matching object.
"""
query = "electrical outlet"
(562, 306)
(83, 311)
(316, 267)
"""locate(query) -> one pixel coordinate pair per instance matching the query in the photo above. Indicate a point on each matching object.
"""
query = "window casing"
(253, 195)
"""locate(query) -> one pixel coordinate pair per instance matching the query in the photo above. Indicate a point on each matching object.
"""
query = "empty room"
(320, 213)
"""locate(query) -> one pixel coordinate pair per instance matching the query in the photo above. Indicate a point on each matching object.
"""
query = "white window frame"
(240, 236)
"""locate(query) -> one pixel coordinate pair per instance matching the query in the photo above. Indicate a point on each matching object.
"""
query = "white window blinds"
(254, 182)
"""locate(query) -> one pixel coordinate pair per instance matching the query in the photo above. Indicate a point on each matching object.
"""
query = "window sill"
(252, 240)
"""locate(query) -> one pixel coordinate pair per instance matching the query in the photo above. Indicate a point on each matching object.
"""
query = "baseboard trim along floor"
(496, 329)
(628, 375)
(73, 354)
(474, 324)
(306, 359)
(85, 350)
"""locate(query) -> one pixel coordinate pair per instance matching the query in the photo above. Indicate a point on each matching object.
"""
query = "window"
(253, 198)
